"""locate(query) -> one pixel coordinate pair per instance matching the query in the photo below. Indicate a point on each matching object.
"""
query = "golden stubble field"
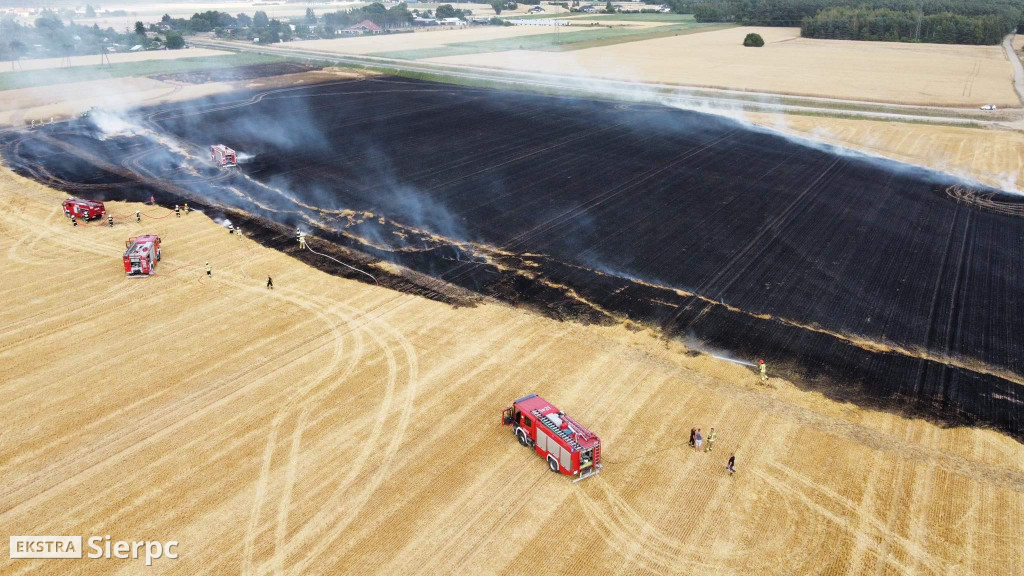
(333, 427)
(991, 156)
(894, 72)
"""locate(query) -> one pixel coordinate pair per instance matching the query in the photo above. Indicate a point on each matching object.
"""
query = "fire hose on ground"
(342, 263)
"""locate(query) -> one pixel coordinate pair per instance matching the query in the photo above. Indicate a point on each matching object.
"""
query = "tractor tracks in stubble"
(387, 338)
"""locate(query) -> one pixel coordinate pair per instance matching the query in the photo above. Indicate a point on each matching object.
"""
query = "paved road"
(1018, 70)
(687, 97)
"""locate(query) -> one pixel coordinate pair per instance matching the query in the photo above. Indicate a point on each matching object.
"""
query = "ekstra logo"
(100, 547)
(46, 546)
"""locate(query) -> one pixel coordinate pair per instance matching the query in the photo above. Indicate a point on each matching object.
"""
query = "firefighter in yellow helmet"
(302, 241)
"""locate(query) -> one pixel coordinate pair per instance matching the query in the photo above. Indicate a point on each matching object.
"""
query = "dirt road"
(328, 426)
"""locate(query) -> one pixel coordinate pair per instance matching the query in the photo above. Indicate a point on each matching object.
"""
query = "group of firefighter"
(138, 216)
(232, 229)
(697, 438)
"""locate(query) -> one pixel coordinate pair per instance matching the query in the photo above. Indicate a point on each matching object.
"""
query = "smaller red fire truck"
(223, 156)
(568, 447)
(141, 256)
(84, 209)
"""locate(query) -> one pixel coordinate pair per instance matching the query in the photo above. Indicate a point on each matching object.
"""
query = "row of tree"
(943, 21)
(397, 16)
(892, 26)
(51, 37)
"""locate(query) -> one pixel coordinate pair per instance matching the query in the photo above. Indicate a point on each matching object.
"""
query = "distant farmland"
(866, 278)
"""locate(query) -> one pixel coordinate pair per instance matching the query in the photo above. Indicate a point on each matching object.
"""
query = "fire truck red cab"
(223, 156)
(84, 209)
(141, 255)
(567, 446)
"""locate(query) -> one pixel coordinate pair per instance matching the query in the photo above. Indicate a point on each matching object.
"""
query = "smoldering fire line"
(531, 210)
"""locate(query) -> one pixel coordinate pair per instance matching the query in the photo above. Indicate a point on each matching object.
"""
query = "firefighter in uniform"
(138, 217)
(209, 273)
(186, 208)
(239, 232)
(110, 220)
(764, 371)
(74, 221)
(177, 211)
(270, 283)
(231, 228)
(302, 241)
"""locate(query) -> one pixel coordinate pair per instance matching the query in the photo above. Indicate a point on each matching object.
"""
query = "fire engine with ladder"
(84, 209)
(223, 156)
(141, 255)
(568, 447)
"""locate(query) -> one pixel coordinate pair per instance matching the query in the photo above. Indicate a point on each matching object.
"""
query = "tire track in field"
(784, 478)
(300, 399)
(188, 409)
(284, 504)
(429, 439)
(319, 546)
(768, 233)
(660, 552)
(385, 408)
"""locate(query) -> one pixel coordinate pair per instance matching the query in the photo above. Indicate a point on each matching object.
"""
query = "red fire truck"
(223, 156)
(84, 209)
(568, 447)
(141, 256)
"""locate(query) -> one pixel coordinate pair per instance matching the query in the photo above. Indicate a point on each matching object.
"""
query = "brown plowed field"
(333, 427)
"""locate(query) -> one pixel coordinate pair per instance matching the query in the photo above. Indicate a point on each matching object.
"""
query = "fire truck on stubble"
(84, 209)
(567, 446)
(141, 255)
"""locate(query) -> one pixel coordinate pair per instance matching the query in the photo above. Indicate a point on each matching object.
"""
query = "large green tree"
(175, 41)
(260, 20)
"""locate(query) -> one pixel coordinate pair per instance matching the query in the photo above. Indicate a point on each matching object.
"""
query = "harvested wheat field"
(904, 73)
(994, 157)
(42, 103)
(330, 426)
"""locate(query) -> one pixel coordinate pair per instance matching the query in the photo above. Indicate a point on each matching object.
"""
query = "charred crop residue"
(868, 279)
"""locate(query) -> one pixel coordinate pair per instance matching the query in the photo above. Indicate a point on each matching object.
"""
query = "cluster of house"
(438, 21)
(594, 9)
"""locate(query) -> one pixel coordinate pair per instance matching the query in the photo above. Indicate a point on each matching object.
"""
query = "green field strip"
(554, 41)
(33, 78)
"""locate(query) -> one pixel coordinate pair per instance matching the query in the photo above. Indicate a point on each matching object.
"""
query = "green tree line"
(890, 25)
(942, 21)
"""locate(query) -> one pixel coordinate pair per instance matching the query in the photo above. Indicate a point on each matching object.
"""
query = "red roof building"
(362, 28)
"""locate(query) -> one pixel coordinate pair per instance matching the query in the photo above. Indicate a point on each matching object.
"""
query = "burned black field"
(866, 279)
